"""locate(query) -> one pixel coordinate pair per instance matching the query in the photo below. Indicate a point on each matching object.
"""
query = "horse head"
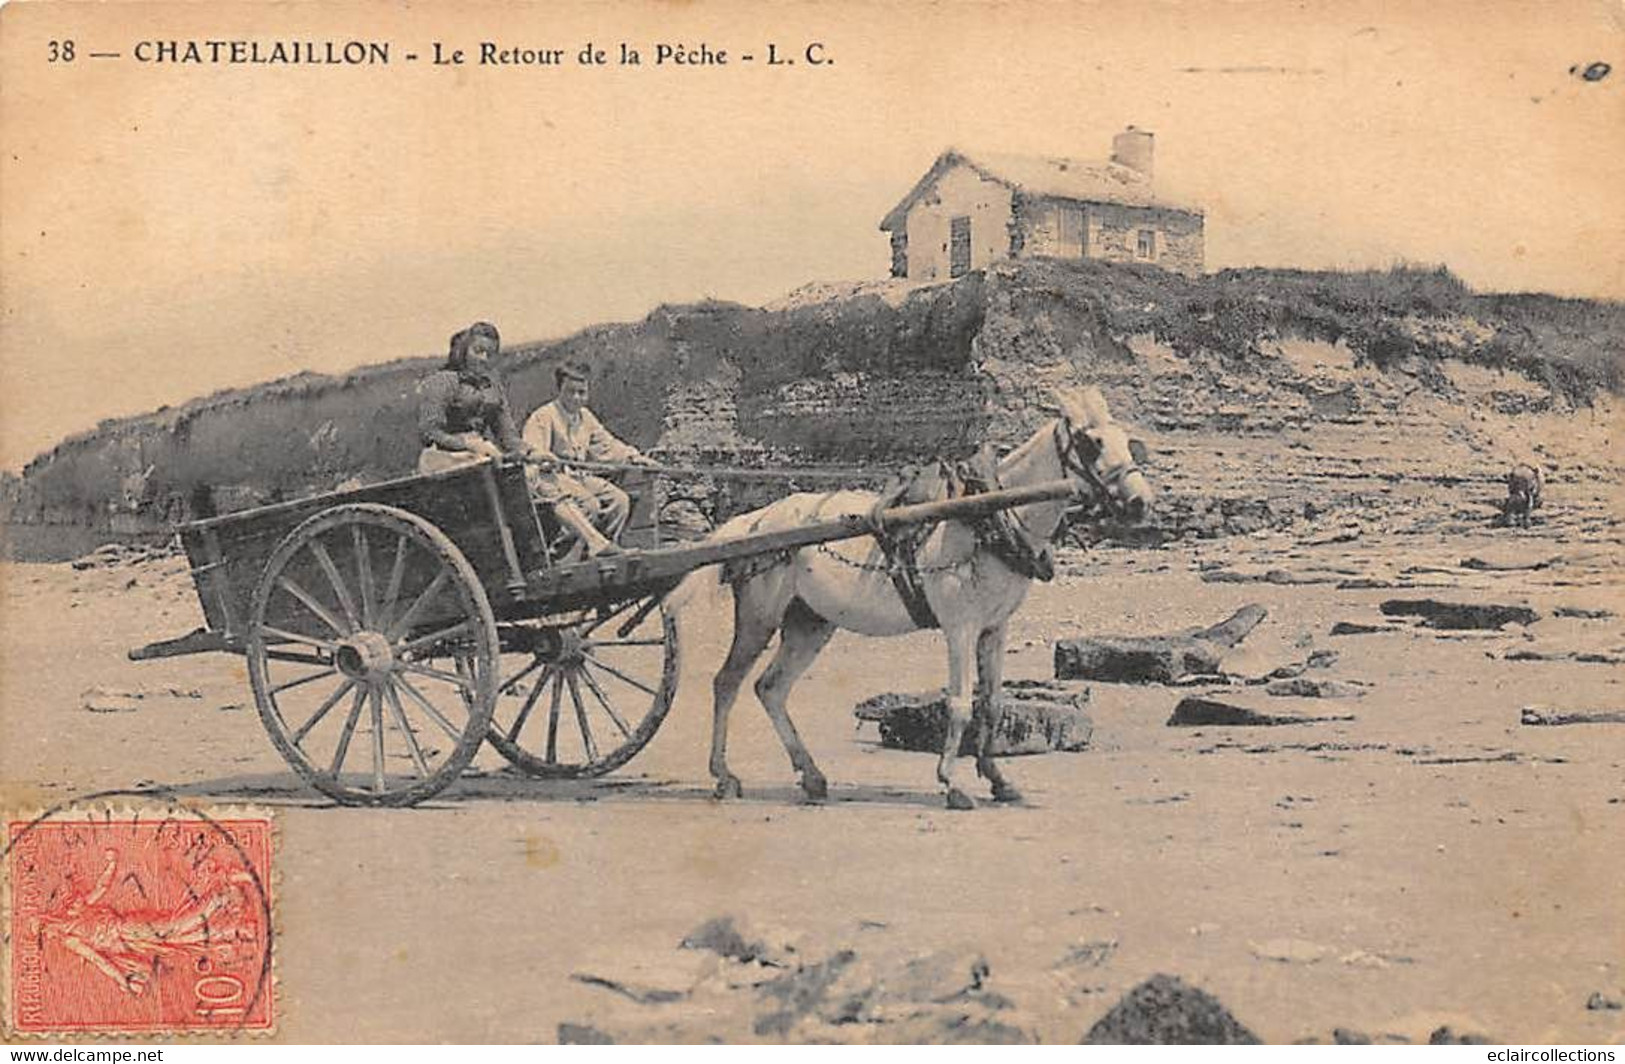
(1095, 450)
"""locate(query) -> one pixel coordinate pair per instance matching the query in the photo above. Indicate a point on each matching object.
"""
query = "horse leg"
(755, 621)
(989, 708)
(959, 714)
(801, 636)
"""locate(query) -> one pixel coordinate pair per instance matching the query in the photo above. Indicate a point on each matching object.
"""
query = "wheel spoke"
(349, 729)
(346, 603)
(377, 700)
(297, 659)
(619, 675)
(434, 637)
(581, 717)
(295, 637)
(428, 707)
(424, 670)
(553, 719)
(309, 602)
(401, 626)
(301, 681)
(603, 619)
(393, 591)
(363, 570)
(332, 700)
(399, 713)
(530, 704)
(626, 643)
(598, 693)
(508, 684)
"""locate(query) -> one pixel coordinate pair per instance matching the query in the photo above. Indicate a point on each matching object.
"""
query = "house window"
(1146, 246)
(959, 246)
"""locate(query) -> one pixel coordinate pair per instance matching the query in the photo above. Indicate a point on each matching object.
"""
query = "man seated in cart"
(564, 432)
(464, 417)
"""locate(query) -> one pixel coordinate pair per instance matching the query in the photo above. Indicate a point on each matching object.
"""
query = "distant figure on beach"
(566, 432)
(1524, 483)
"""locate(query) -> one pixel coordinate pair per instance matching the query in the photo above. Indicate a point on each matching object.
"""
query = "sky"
(168, 230)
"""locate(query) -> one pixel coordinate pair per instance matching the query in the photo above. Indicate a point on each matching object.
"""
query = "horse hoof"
(814, 786)
(958, 799)
(729, 787)
(1006, 793)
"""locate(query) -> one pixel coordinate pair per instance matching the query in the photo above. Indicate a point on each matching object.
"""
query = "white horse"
(808, 595)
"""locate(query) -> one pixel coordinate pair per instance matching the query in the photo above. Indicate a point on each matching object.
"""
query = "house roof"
(1036, 175)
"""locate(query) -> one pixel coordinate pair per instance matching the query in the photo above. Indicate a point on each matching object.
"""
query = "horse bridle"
(1068, 450)
(1075, 462)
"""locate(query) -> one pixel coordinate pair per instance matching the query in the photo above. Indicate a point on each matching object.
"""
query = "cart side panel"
(470, 505)
(209, 577)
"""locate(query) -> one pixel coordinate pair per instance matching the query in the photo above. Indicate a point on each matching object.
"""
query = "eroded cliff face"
(1266, 397)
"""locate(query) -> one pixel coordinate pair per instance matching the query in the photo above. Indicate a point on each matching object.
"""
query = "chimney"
(1132, 148)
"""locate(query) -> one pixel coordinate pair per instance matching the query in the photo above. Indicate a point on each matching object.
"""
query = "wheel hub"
(572, 647)
(364, 656)
(559, 646)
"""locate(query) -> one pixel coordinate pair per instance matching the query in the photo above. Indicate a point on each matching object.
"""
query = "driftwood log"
(1155, 658)
(1036, 716)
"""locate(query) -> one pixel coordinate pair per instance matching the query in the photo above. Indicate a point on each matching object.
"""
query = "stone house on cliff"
(970, 210)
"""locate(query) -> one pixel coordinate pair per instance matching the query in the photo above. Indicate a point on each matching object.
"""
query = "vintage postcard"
(813, 522)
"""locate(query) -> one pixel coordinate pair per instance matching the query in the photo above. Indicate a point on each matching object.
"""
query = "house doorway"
(959, 246)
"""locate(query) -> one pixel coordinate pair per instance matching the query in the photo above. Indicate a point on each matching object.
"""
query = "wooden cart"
(391, 630)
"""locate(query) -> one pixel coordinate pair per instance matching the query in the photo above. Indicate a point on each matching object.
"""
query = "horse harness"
(1001, 532)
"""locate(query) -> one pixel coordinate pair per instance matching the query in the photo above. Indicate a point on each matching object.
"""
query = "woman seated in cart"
(464, 417)
(565, 431)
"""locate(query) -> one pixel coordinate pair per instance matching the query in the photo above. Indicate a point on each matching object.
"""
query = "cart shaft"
(661, 569)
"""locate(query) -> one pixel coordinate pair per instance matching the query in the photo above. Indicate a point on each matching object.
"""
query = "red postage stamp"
(139, 921)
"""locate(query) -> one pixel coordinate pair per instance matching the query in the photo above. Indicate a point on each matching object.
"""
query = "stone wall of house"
(1051, 228)
(1114, 236)
(1065, 229)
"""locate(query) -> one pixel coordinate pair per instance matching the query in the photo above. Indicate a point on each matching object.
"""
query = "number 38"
(60, 51)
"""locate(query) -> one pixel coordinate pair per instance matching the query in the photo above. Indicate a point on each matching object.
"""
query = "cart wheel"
(352, 607)
(605, 693)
